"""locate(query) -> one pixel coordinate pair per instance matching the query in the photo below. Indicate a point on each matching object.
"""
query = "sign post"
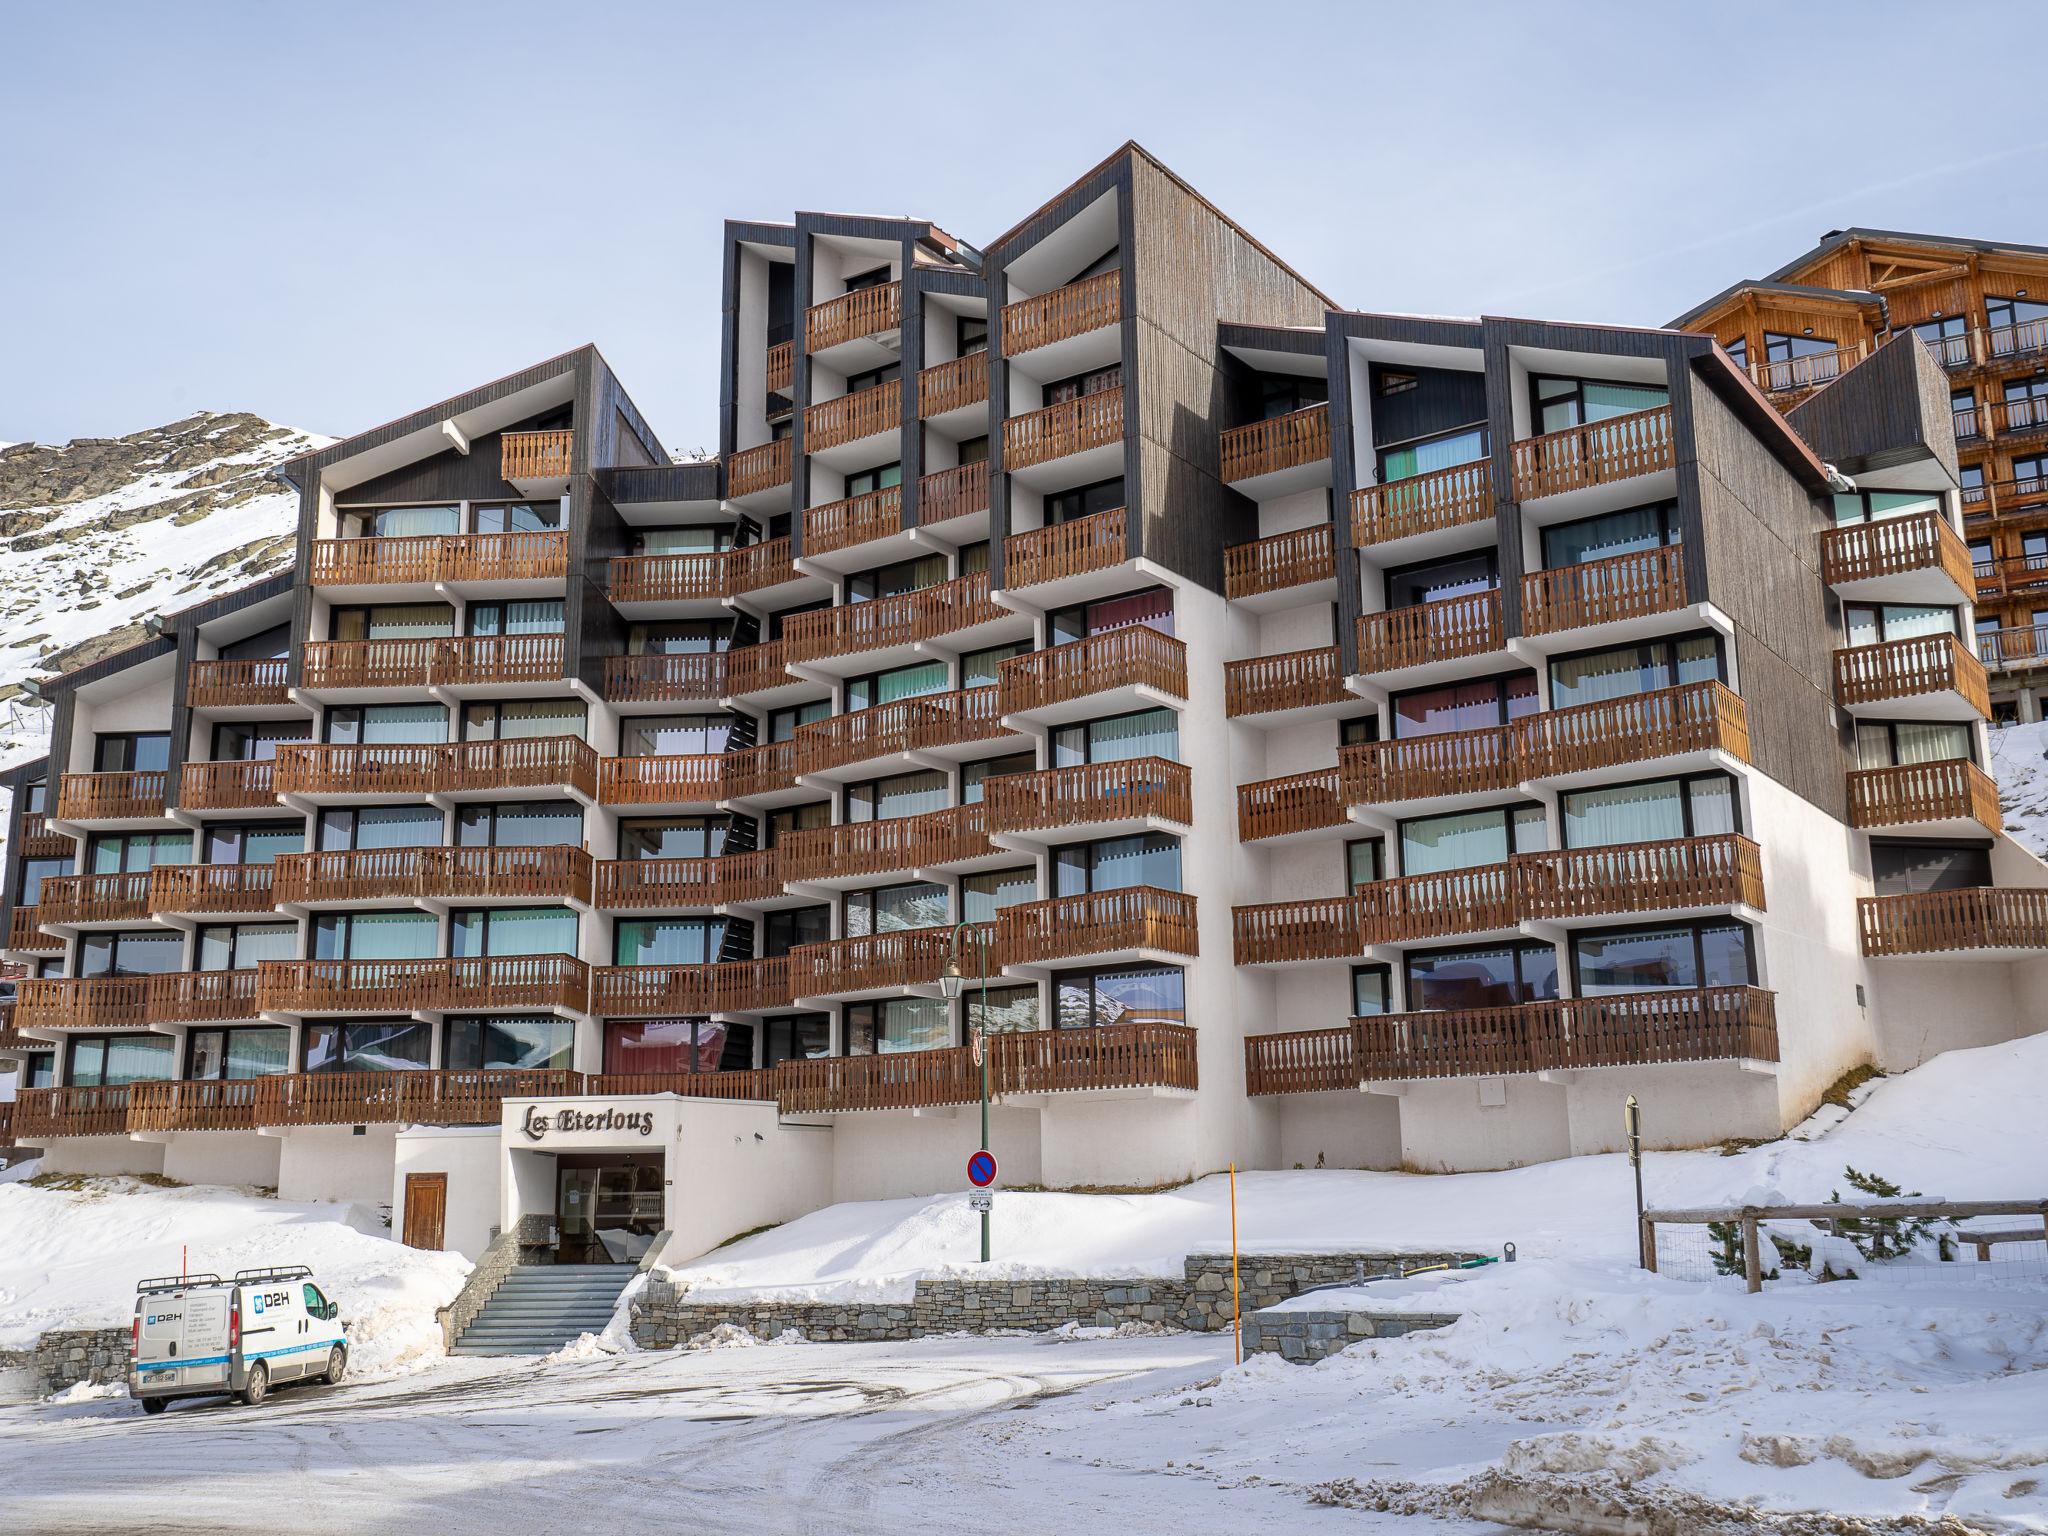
(1632, 1123)
(981, 1173)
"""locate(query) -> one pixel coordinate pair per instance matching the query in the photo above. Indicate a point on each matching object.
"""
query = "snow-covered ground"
(2019, 761)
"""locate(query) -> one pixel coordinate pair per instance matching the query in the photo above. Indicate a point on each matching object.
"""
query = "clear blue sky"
(332, 215)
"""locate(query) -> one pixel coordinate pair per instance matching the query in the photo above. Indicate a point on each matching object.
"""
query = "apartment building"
(1097, 666)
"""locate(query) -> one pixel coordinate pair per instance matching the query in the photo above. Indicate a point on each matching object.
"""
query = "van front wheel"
(259, 1384)
(337, 1364)
(154, 1405)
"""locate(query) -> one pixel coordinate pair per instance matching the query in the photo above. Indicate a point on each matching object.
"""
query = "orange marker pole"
(1236, 1322)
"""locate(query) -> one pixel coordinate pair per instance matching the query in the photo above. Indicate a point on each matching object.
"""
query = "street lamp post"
(950, 980)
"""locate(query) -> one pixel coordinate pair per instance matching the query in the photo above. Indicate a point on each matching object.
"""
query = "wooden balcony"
(205, 889)
(1282, 563)
(2016, 418)
(869, 963)
(201, 997)
(396, 769)
(535, 456)
(697, 577)
(430, 985)
(753, 567)
(89, 797)
(1074, 310)
(1138, 917)
(1600, 453)
(2013, 576)
(39, 842)
(237, 684)
(2015, 649)
(467, 768)
(1998, 921)
(95, 898)
(1085, 545)
(1622, 587)
(732, 986)
(1450, 627)
(1886, 556)
(95, 1002)
(859, 849)
(857, 520)
(2005, 343)
(1458, 497)
(226, 786)
(850, 418)
(945, 494)
(889, 1080)
(758, 771)
(559, 873)
(655, 885)
(1440, 905)
(227, 1104)
(1283, 932)
(1917, 793)
(921, 724)
(1292, 441)
(781, 373)
(851, 629)
(528, 555)
(1264, 685)
(674, 780)
(367, 664)
(953, 385)
(1670, 722)
(45, 1112)
(1451, 765)
(1923, 667)
(24, 933)
(651, 678)
(488, 660)
(1676, 875)
(853, 316)
(7, 1124)
(1133, 791)
(1794, 375)
(743, 1084)
(1135, 656)
(477, 768)
(465, 1097)
(1072, 426)
(757, 668)
(760, 468)
(1297, 802)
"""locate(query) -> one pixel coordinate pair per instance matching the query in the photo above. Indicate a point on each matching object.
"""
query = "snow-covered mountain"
(100, 533)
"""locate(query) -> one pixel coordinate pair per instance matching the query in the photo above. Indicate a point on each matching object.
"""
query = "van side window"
(316, 1304)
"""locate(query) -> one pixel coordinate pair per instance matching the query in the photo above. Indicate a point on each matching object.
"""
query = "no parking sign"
(981, 1169)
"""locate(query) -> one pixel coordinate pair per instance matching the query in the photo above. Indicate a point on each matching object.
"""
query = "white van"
(202, 1336)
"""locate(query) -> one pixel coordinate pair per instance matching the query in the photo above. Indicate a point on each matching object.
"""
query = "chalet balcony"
(654, 678)
(752, 473)
(662, 885)
(1423, 508)
(1285, 684)
(95, 900)
(1293, 806)
(529, 559)
(743, 1084)
(855, 521)
(892, 624)
(1600, 453)
(237, 685)
(40, 1113)
(2014, 650)
(1682, 874)
(94, 1002)
(480, 770)
(464, 770)
(342, 666)
(732, 986)
(1131, 922)
(1428, 635)
(552, 874)
(39, 842)
(1915, 559)
(1981, 922)
(227, 786)
(2014, 576)
(25, 933)
(497, 662)
(904, 728)
(958, 384)
(1290, 932)
(1697, 723)
(397, 770)
(110, 799)
(1135, 666)
(854, 852)
(1108, 799)
(1279, 455)
(195, 890)
(1796, 375)
(1091, 425)
(537, 462)
(477, 984)
(1927, 677)
(956, 500)
(848, 419)
(669, 781)
(1440, 771)
(781, 368)
(1955, 795)
(765, 774)
(857, 316)
(1627, 1029)
(1065, 553)
(654, 583)
(2022, 417)
(201, 997)
(759, 669)
(2004, 343)
(1443, 904)
(1294, 567)
(1063, 315)
(871, 965)
(183, 1105)
(1622, 596)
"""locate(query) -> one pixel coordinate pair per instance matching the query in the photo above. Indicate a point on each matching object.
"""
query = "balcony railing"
(849, 418)
(1296, 802)
(953, 385)
(210, 888)
(43, 1112)
(1809, 372)
(856, 520)
(1672, 875)
(1911, 668)
(519, 762)
(705, 577)
(781, 371)
(1089, 793)
(760, 468)
(1599, 453)
(764, 770)
(1955, 790)
(1967, 422)
(426, 768)
(1456, 497)
(946, 494)
(1896, 546)
(367, 663)
(1280, 442)
(1438, 905)
(2014, 341)
(1448, 627)
(560, 873)
(1262, 685)
(903, 725)
(535, 455)
(110, 796)
(402, 986)
(497, 659)
(694, 779)
(757, 668)
(1281, 562)
(848, 629)
(886, 846)
(1475, 762)
(226, 786)
(1072, 426)
(201, 997)
(95, 898)
(216, 684)
(1276, 932)
(1074, 310)
(1630, 586)
(2014, 649)
(652, 677)
(1091, 543)
(1670, 722)
(39, 842)
(1096, 923)
(732, 986)
(2015, 574)
(25, 933)
(853, 316)
(1944, 922)
(869, 962)
(94, 1002)
(1115, 658)
(524, 555)
(2013, 418)
(651, 884)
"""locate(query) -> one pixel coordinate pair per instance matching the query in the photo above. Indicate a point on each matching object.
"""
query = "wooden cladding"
(855, 520)
(1091, 543)
(136, 796)
(847, 629)
(711, 576)
(1088, 793)
(1668, 722)
(1599, 453)
(525, 555)
(1394, 638)
(1444, 498)
(210, 888)
(1072, 426)
(849, 418)
(761, 468)
(1262, 685)
(887, 846)
(853, 316)
(1625, 1029)
(695, 678)
(1096, 923)
(1115, 658)
(535, 455)
(945, 494)
(1955, 790)
(1281, 562)
(1281, 442)
(1911, 668)
(427, 768)
(215, 684)
(902, 725)
(642, 885)
(1632, 586)
(95, 898)
(953, 385)
(781, 367)
(1944, 922)
(1074, 310)
(437, 985)
(559, 873)
(1896, 546)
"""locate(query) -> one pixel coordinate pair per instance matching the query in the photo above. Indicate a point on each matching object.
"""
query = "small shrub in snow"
(1880, 1238)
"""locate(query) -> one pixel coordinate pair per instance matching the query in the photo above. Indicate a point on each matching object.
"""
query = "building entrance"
(608, 1206)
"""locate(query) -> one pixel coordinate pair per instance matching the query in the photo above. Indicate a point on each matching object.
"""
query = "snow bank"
(2019, 761)
(71, 1258)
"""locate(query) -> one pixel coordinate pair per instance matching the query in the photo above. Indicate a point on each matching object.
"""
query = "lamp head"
(950, 979)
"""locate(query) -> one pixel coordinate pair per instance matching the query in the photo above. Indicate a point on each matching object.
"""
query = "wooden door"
(426, 1209)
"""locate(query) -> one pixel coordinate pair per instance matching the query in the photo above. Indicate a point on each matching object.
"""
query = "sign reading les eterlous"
(536, 1126)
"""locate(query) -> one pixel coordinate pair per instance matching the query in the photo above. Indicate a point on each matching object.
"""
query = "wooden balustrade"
(853, 316)
(1154, 1054)
(1910, 668)
(558, 873)
(731, 986)
(1456, 497)
(905, 957)
(226, 786)
(44, 1112)
(1096, 923)
(1676, 874)
(953, 385)
(1439, 904)
(1051, 798)
(199, 997)
(92, 1002)
(760, 468)
(1467, 625)
(852, 848)
(535, 455)
(1276, 932)
(1115, 658)
(528, 554)
(1296, 802)
(395, 768)
(904, 725)
(653, 884)
(697, 779)
(848, 418)
(1791, 374)
(847, 629)
(745, 1084)
(497, 659)
(751, 567)
(1280, 442)
(1474, 762)
(411, 560)
(210, 888)
(856, 520)
(757, 668)
(1954, 790)
(226, 1104)
(424, 768)
(367, 663)
(1668, 722)
(121, 898)
(520, 762)
(403, 986)
(1262, 685)
(1599, 453)
(1896, 546)
(888, 1080)
(465, 1096)
(1631, 586)
(698, 677)
(1091, 543)
(220, 684)
(1073, 310)
(7, 1123)
(39, 842)
(699, 576)
(1947, 922)
(946, 494)
(781, 368)
(1302, 1061)
(1280, 563)
(24, 932)
(1072, 426)
(1966, 422)
(110, 796)
(763, 770)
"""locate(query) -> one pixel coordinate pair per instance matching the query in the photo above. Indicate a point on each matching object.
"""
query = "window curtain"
(1465, 840)
(668, 941)
(1438, 453)
(983, 896)
(1607, 400)
(1601, 538)
(405, 724)
(1154, 733)
(258, 1052)
(406, 522)
(1931, 741)
(527, 931)
(912, 1024)
(1625, 813)
(384, 935)
(136, 1059)
(1152, 859)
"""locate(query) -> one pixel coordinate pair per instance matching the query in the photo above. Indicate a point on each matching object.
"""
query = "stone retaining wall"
(1305, 1337)
(70, 1355)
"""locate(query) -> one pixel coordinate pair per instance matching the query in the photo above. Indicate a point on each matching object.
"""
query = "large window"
(1704, 954)
(119, 853)
(1901, 868)
(1117, 863)
(899, 1024)
(682, 541)
(214, 1054)
(782, 723)
(393, 621)
(1365, 861)
(783, 820)
(1465, 445)
(375, 1045)
(1004, 1010)
(903, 794)
(510, 719)
(255, 741)
(798, 1037)
(242, 946)
(668, 940)
(1083, 501)
(105, 1061)
(1653, 811)
(1900, 743)
(912, 682)
(892, 908)
(1876, 623)
(1119, 738)
(1628, 670)
(1095, 382)
(1152, 607)
(517, 516)
(1626, 532)
(1469, 839)
(1139, 994)
(131, 752)
(34, 872)
(980, 668)
(529, 1042)
(975, 776)
(884, 477)
(2016, 324)
(678, 1046)
(529, 616)
(520, 824)
(1561, 403)
(1372, 991)
(1281, 394)
(258, 842)
(1458, 707)
(785, 930)
(983, 895)
(1457, 576)
(1492, 976)
(897, 578)
(386, 724)
(351, 828)
(674, 735)
(136, 952)
(375, 936)
(398, 522)
(1875, 506)
(506, 931)
(677, 637)
(673, 837)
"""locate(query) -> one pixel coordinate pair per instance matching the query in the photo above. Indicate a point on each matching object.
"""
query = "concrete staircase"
(537, 1308)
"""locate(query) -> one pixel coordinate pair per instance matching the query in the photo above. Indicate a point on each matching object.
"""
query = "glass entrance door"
(609, 1207)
